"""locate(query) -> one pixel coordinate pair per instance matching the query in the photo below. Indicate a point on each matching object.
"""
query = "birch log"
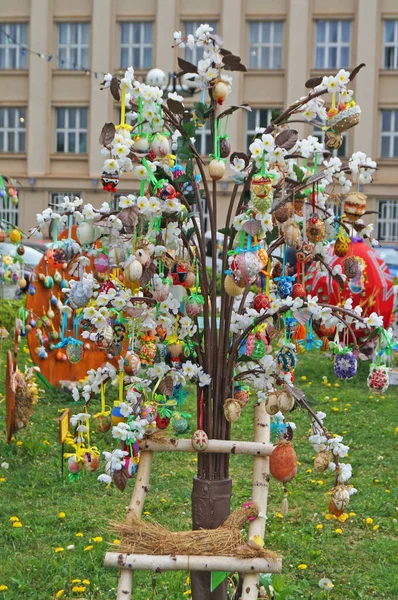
(259, 495)
(140, 491)
(182, 562)
(215, 447)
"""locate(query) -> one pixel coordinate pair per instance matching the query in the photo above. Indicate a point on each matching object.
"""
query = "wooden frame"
(260, 449)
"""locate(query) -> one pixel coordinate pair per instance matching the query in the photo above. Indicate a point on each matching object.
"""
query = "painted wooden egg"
(15, 236)
(225, 147)
(231, 287)
(143, 257)
(286, 358)
(91, 462)
(283, 462)
(162, 422)
(220, 92)
(57, 279)
(315, 229)
(74, 353)
(261, 302)
(48, 282)
(216, 169)
(106, 287)
(131, 364)
(149, 413)
(133, 271)
(298, 291)
(285, 402)
(261, 188)
(20, 250)
(80, 294)
(341, 246)
(116, 416)
(199, 441)
(160, 145)
(179, 423)
(74, 466)
(161, 288)
(119, 332)
(102, 423)
(351, 267)
(283, 213)
(232, 410)
(104, 337)
(355, 206)
(327, 331)
(272, 406)
(304, 252)
(101, 263)
(322, 460)
(339, 501)
(148, 352)
(59, 355)
(85, 233)
(182, 275)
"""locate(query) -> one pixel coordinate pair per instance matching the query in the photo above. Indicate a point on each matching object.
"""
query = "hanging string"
(267, 277)
(201, 402)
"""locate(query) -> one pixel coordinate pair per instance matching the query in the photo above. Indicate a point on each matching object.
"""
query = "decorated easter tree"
(156, 308)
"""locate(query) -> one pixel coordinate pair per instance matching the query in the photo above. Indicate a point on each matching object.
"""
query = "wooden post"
(259, 494)
(140, 491)
(214, 447)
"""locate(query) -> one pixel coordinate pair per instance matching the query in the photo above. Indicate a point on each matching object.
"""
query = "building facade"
(53, 55)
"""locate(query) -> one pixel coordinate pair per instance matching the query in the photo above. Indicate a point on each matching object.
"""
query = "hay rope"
(143, 537)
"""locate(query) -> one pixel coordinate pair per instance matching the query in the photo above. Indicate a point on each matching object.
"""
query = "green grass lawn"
(360, 561)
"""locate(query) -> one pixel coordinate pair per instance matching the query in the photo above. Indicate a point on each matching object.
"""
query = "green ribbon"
(3, 187)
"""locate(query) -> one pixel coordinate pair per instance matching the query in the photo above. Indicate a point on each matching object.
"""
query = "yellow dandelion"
(376, 527)
(370, 397)
(97, 539)
(3, 588)
(47, 443)
(76, 581)
(14, 519)
(320, 482)
(86, 582)
(303, 378)
(2, 479)
(187, 593)
(17, 524)
(78, 534)
(61, 515)
(302, 567)
(60, 549)
(335, 408)
(309, 471)
(330, 517)
(146, 512)
(343, 518)
(88, 548)
(78, 588)
(279, 515)
(195, 460)
(369, 521)
(163, 500)
(319, 526)
(19, 443)
(352, 514)
(299, 463)
(396, 430)
(387, 491)
(60, 593)
(338, 531)
(116, 542)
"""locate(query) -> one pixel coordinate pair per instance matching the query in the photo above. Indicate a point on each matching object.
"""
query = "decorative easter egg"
(286, 358)
(261, 302)
(167, 191)
(110, 181)
(48, 282)
(304, 251)
(345, 365)
(148, 351)
(15, 236)
(179, 423)
(333, 140)
(104, 337)
(315, 229)
(272, 406)
(351, 267)
(232, 410)
(74, 353)
(20, 250)
(247, 265)
(183, 275)
(85, 233)
(143, 257)
(31, 290)
(131, 364)
(175, 350)
(160, 145)
(225, 147)
(101, 263)
(242, 396)
(298, 291)
(285, 402)
(141, 143)
(284, 287)
(57, 278)
(283, 462)
(259, 349)
(102, 423)
(231, 287)
(3, 236)
(133, 271)
(148, 413)
(283, 213)
(341, 246)
(378, 379)
(216, 169)
(80, 294)
(220, 92)
(193, 308)
(339, 501)
(355, 206)
(91, 462)
(322, 460)
(199, 441)
(162, 422)
(261, 189)
(116, 416)
(74, 466)
(55, 257)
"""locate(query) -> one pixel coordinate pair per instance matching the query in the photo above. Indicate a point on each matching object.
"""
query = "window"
(136, 45)
(265, 44)
(196, 54)
(203, 139)
(389, 133)
(73, 45)
(12, 130)
(8, 211)
(71, 130)
(387, 221)
(258, 117)
(390, 44)
(332, 48)
(340, 152)
(13, 38)
(206, 221)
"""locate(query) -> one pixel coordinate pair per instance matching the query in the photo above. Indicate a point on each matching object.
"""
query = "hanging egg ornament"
(161, 288)
(167, 191)
(216, 169)
(283, 213)
(351, 267)
(315, 229)
(110, 181)
(193, 307)
(179, 423)
(148, 351)
(133, 271)
(22, 283)
(304, 252)
(261, 302)
(116, 416)
(333, 140)
(247, 265)
(55, 257)
(286, 358)
(285, 402)
(59, 355)
(80, 294)
(20, 250)
(231, 287)
(292, 234)
(284, 287)
(31, 290)
(176, 349)
(283, 462)
(322, 461)
(131, 364)
(355, 206)
(162, 422)
(74, 465)
(3, 236)
(298, 291)
(261, 193)
(345, 365)
(341, 245)
(104, 337)
(101, 263)
(102, 423)
(378, 380)
(183, 275)
(141, 143)
(272, 405)
(220, 92)
(85, 233)
(160, 145)
(339, 501)
(48, 282)
(143, 257)
(232, 410)
(90, 462)
(242, 396)
(199, 441)
(149, 413)
(15, 236)
(225, 147)
(57, 277)
(259, 349)
(74, 353)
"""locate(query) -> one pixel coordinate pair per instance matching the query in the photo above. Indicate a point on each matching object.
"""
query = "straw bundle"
(142, 537)
(23, 410)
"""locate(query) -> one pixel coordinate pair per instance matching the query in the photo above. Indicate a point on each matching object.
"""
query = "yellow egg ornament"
(15, 236)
